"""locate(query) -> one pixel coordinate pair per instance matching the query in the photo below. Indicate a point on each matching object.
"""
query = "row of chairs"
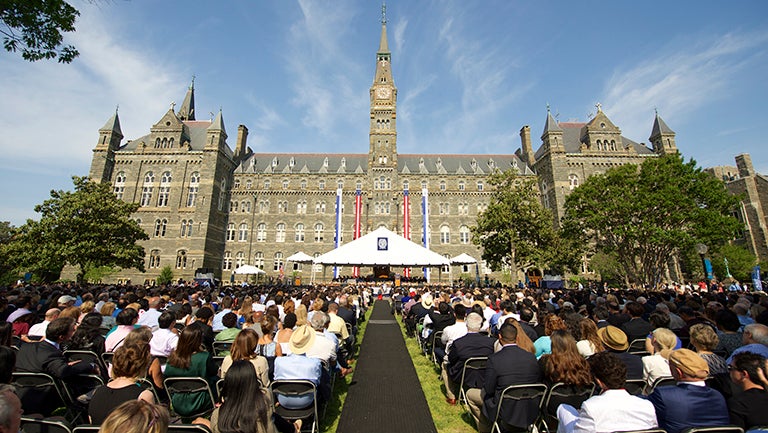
(35, 425)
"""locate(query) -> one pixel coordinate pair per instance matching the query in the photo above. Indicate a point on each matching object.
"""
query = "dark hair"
(460, 311)
(727, 320)
(131, 360)
(609, 368)
(127, 316)
(268, 324)
(508, 332)
(229, 320)
(59, 328)
(190, 340)
(443, 308)
(635, 309)
(237, 414)
(226, 302)
(166, 319)
(659, 319)
(602, 313)
(204, 313)
(289, 321)
(6, 333)
(749, 362)
(526, 314)
(7, 361)
(86, 334)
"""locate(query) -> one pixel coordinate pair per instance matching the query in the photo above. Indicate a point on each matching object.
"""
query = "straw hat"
(426, 301)
(690, 363)
(614, 338)
(302, 339)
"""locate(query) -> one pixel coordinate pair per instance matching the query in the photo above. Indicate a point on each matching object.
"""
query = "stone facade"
(206, 206)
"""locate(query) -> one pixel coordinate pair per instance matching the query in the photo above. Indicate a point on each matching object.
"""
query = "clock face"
(382, 92)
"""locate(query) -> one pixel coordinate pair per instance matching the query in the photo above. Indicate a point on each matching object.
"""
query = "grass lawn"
(333, 410)
(447, 418)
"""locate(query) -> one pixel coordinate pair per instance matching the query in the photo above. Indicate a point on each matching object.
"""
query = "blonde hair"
(107, 309)
(87, 307)
(664, 341)
(301, 315)
(703, 337)
(136, 416)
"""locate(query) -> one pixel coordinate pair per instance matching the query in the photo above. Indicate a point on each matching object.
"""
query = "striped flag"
(406, 224)
(358, 210)
(425, 212)
(338, 228)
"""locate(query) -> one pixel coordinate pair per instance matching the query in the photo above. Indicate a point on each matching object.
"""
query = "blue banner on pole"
(756, 278)
(708, 268)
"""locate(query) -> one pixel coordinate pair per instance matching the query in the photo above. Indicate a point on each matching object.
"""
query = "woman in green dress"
(190, 359)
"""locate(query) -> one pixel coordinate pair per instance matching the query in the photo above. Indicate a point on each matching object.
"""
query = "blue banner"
(708, 268)
(756, 278)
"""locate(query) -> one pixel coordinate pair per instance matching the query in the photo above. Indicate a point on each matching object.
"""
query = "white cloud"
(51, 112)
(676, 82)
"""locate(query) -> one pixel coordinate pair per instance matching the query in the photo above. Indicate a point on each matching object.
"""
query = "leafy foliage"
(166, 276)
(740, 262)
(645, 215)
(36, 27)
(88, 227)
(515, 230)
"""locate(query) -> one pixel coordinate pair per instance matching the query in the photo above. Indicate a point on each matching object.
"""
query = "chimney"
(525, 139)
(242, 139)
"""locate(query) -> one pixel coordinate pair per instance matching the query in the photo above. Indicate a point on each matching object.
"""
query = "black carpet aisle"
(385, 395)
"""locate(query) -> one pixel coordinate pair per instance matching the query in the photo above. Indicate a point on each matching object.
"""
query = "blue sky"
(469, 74)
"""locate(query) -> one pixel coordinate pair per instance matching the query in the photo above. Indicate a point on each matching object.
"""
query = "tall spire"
(187, 110)
(383, 46)
(113, 125)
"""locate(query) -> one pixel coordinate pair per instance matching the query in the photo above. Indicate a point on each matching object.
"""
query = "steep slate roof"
(572, 140)
(659, 127)
(358, 163)
(196, 130)
(113, 125)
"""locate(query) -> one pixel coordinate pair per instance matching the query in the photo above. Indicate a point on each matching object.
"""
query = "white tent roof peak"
(300, 257)
(382, 247)
(248, 270)
(463, 259)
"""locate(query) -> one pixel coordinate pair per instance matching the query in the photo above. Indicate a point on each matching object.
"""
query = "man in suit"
(47, 357)
(636, 328)
(471, 345)
(691, 403)
(509, 366)
(615, 341)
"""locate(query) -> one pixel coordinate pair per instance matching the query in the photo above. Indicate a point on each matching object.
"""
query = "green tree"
(646, 215)
(7, 275)
(36, 28)
(166, 275)
(740, 262)
(88, 227)
(515, 230)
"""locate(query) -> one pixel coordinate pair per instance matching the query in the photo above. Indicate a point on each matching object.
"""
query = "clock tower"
(382, 154)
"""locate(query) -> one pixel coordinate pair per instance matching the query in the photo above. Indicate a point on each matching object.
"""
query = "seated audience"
(691, 403)
(614, 409)
(137, 416)
(590, 342)
(126, 320)
(283, 336)
(166, 337)
(704, 339)
(299, 366)
(88, 336)
(565, 364)
(244, 349)
(190, 360)
(615, 341)
(471, 345)
(10, 416)
(657, 365)
(755, 339)
(38, 330)
(543, 344)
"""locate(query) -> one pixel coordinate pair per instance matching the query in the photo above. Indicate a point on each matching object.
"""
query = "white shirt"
(452, 332)
(323, 348)
(163, 342)
(654, 367)
(217, 325)
(38, 329)
(149, 318)
(613, 410)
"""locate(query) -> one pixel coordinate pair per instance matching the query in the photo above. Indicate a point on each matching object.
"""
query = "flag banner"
(425, 230)
(708, 268)
(358, 210)
(406, 224)
(337, 238)
(756, 278)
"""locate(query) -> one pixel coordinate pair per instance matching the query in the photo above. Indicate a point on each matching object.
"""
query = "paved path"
(385, 395)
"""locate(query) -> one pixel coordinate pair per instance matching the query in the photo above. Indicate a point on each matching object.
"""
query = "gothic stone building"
(206, 206)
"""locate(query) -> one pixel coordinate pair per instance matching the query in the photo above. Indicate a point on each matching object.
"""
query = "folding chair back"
(295, 388)
(561, 393)
(88, 356)
(527, 398)
(662, 381)
(474, 365)
(716, 429)
(190, 397)
(221, 348)
(39, 393)
(86, 428)
(634, 386)
(637, 347)
(38, 425)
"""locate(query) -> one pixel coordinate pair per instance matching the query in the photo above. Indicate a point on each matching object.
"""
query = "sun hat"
(614, 338)
(426, 301)
(65, 299)
(302, 339)
(690, 363)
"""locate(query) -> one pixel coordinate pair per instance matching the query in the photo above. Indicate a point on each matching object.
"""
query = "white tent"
(299, 257)
(463, 259)
(382, 247)
(248, 270)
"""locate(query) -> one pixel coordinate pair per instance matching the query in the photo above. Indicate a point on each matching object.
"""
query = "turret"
(662, 137)
(110, 136)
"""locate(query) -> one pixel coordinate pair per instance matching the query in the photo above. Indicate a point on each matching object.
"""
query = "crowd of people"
(236, 339)
(628, 359)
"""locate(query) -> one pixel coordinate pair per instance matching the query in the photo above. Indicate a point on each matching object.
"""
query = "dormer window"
(274, 162)
(325, 162)
(343, 162)
(292, 162)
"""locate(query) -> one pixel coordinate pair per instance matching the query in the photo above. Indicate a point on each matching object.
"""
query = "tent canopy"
(463, 259)
(248, 270)
(382, 247)
(300, 257)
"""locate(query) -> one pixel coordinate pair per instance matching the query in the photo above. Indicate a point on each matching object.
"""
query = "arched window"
(573, 181)
(479, 185)
(280, 233)
(160, 227)
(301, 207)
(258, 259)
(146, 189)
(154, 259)
(445, 235)
(461, 185)
(545, 193)
(119, 185)
(303, 184)
(242, 234)
(319, 229)
(227, 261)
(405, 185)
(318, 267)
(423, 184)
(181, 260)
(261, 232)
(264, 206)
(246, 206)
(442, 185)
(285, 183)
(340, 184)
(186, 228)
(233, 205)
(239, 259)
(231, 231)
(194, 188)
(222, 194)
(464, 234)
(278, 262)
(299, 236)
